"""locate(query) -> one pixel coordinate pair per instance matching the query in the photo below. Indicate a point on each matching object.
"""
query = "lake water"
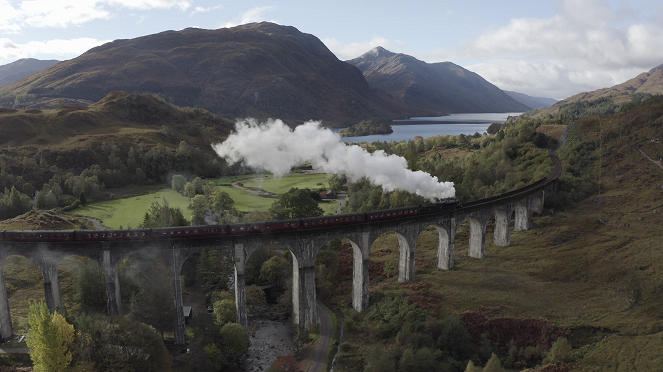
(453, 125)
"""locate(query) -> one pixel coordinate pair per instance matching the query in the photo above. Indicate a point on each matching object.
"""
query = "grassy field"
(130, 211)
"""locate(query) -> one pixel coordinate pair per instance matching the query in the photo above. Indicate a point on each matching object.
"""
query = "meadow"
(129, 212)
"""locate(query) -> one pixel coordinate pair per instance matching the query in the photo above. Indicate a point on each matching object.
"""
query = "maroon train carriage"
(393, 213)
(324, 221)
(261, 227)
(246, 228)
(282, 225)
(39, 236)
(189, 231)
(112, 235)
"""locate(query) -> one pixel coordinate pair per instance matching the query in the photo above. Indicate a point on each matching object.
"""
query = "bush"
(561, 351)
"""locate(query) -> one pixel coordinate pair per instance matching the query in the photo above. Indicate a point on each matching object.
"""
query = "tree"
(126, 345)
(235, 340)
(178, 182)
(189, 190)
(212, 271)
(493, 364)
(336, 182)
(472, 368)
(225, 312)
(163, 216)
(295, 203)
(199, 210)
(82, 198)
(221, 204)
(255, 297)
(46, 340)
(561, 351)
(379, 361)
(89, 284)
(275, 270)
(152, 302)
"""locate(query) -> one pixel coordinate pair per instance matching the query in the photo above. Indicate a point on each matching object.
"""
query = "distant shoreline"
(419, 122)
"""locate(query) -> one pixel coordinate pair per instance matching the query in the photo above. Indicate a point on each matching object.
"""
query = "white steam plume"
(276, 148)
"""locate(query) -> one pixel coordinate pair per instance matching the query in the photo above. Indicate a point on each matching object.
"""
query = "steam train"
(233, 229)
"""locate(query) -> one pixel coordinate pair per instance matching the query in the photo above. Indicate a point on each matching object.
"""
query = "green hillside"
(589, 270)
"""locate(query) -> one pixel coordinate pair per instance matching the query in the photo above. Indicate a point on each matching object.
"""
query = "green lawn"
(298, 180)
(130, 211)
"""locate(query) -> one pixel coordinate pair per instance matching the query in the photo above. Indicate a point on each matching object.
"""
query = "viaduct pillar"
(303, 291)
(180, 326)
(445, 245)
(49, 270)
(406, 244)
(522, 216)
(6, 329)
(360, 279)
(477, 238)
(113, 294)
(240, 286)
(502, 236)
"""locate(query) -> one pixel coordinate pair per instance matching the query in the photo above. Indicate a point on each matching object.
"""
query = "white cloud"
(55, 49)
(151, 4)
(63, 13)
(256, 14)
(586, 46)
(354, 50)
(40, 13)
(200, 9)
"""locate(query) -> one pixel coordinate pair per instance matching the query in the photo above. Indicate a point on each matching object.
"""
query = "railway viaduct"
(303, 244)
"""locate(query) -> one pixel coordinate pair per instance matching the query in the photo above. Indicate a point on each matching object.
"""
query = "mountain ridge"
(442, 86)
(261, 70)
(650, 82)
(21, 68)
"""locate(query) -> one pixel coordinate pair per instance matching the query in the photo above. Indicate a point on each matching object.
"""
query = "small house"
(331, 194)
(188, 314)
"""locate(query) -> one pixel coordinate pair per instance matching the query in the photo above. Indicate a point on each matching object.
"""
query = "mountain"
(261, 70)
(17, 70)
(650, 82)
(119, 116)
(529, 101)
(442, 87)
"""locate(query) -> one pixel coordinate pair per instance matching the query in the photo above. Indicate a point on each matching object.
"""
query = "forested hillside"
(122, 140)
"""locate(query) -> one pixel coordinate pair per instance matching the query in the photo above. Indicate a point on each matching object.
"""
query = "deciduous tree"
(48, 349)
(295, 203)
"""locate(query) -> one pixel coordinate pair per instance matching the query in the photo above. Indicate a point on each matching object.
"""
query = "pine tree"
(493, 365)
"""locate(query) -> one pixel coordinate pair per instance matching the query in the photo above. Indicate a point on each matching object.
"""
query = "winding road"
(318, 362)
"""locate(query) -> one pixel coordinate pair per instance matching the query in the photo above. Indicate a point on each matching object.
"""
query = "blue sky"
(542, 48)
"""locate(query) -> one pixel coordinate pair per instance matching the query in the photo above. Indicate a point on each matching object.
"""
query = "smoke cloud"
(274, 147)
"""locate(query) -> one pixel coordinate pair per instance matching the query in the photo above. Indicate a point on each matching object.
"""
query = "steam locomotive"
(233, 229)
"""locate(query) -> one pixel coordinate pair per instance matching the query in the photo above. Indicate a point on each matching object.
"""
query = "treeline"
(411, 339)
(93, 343)
(512, 158)
(110, 165)
(368, 127)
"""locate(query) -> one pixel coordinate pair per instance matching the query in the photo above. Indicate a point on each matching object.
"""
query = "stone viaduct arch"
(303, 244)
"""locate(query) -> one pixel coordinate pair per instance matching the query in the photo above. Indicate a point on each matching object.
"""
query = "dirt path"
(95, 222)
(318, 362)
(657, 162)
(259, 192)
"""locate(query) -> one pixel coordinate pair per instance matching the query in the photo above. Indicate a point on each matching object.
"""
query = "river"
(453, 125)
